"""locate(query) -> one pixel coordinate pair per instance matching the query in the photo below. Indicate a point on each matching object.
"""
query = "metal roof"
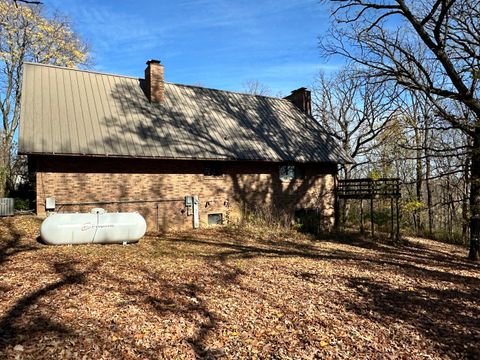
(76, 112)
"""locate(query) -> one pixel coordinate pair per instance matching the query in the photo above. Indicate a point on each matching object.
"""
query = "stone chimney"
(302, 98)
(154, 81)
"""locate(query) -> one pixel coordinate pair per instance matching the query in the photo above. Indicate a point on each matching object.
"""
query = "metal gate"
(7, 207)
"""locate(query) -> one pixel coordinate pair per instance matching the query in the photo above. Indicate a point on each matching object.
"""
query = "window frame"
(222, 218)
(298, 173)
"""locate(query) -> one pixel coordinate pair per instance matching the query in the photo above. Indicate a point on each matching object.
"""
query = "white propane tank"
(98, 227)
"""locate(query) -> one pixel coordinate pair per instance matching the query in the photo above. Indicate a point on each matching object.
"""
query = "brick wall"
(156, 188)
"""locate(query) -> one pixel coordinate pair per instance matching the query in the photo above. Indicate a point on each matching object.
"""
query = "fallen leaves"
(18, 348)
(324, 343)
(234, 293)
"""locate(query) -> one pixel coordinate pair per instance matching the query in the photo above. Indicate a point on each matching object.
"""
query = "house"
(146, 145)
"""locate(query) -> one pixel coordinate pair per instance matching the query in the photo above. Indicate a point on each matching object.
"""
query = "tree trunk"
(446, 202)
(475, 198)
(345, 204)
(465, 195)
(4, 165)
(419, 181)
(428, 188)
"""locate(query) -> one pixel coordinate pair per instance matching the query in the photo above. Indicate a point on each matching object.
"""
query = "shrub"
(22, 204)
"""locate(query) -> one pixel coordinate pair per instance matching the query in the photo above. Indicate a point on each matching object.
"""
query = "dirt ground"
(235, 294)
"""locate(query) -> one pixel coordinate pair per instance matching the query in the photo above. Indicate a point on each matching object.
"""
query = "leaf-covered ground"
(231, 293)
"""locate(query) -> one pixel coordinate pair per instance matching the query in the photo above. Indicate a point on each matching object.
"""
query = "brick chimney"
(302, 98)
(154, 81)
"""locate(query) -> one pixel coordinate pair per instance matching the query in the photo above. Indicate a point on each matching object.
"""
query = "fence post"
(372, 192)
(362, 228)
(391, 219)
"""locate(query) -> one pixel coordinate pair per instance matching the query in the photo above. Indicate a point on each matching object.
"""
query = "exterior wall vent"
(215, 219)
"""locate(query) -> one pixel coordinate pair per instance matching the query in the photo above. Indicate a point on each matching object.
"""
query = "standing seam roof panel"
(103, 113)
(234, 141)
(297, 129)
(73, 117)
(46, 113)
(269, 121)
(188, 113)
(142, 142)
(214, 134)
(83, 139)
(26, 103)
(97, 110)
(255, 133)
(81, 112)
(250, 129)
(303, 131)
(136, 93)
(183, 141)
(64, 112)
(215, 125)
(119, 137)
(36, 111)
(243, 132)
(160, 117)
(94, 119)
(57, 141)
(121, 121)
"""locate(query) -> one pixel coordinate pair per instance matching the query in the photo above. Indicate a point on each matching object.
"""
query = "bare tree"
(353, 110)
(27, 2)
(386, 36)
(416, 111)
(439, 157)
(255, 87)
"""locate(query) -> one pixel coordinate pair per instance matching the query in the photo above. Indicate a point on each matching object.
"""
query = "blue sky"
(214, 43)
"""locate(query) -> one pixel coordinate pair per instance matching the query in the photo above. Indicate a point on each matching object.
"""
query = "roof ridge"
(228, 91)
(137, 78)
(80, 70)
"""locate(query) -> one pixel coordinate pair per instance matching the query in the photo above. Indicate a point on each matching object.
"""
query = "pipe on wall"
(116, 202)
(80, 203)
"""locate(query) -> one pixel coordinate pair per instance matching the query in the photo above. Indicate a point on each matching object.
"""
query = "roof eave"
(117, 156)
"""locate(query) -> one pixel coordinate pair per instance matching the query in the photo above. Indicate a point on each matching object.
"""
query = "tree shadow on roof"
(195, 122)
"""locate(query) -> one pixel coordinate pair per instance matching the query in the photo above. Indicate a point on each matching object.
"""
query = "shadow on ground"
(180, 279)
(445, 312)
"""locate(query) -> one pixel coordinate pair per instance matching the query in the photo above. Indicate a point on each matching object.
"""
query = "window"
(290, 172)
(215, 219)
(213, 170)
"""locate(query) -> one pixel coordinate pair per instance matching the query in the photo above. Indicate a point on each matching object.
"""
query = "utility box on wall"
(7, 207)
(196, 215)
(191, 203)
(50, 204)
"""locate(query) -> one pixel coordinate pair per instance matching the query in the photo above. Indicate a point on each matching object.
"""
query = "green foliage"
(22, 204)
(413, 205)
(381, 216)
(375, 174)
(452, 237)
